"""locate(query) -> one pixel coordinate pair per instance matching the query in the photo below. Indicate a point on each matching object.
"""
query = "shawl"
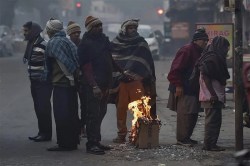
(132, 54)
(213, 60)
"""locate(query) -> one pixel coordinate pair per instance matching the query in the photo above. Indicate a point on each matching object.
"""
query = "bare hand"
(213, 99)
(178, 91)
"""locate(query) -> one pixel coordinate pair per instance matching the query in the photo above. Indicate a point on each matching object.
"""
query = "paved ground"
(17, 122)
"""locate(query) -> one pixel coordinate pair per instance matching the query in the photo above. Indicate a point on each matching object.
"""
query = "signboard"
(226, 30)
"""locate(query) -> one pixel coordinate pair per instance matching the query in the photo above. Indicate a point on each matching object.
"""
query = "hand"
(213, 99)
(178, 91)
(97, 92)
(128, 76)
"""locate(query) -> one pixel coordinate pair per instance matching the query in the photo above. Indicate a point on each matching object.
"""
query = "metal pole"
(238, 77)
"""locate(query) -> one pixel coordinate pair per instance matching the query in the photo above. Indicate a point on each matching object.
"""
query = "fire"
(141, 110)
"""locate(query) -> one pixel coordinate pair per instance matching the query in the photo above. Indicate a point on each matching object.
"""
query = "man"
(63, 60)
(183, 97)
(96, 64)
(74, 31)
(41, 88)
(131, 52)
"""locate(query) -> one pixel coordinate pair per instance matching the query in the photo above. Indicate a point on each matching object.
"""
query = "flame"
(140, 109)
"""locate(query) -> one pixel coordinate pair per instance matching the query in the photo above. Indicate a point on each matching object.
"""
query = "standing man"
(41, 87)
(183, 98)
(63, 60)
(74, 31)
(131, 52)
(96, 64)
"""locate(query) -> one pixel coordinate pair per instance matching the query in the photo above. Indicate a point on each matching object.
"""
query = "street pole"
(239, 92)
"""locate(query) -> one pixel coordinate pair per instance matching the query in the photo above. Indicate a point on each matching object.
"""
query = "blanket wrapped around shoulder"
(133, 56)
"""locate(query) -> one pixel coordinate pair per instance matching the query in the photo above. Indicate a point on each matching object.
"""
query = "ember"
(145, 130)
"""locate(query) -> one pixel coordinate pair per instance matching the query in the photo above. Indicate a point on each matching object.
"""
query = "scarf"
(213, 60)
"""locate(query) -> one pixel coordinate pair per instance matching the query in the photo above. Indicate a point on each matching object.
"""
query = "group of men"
(85, 67)
(99, 72)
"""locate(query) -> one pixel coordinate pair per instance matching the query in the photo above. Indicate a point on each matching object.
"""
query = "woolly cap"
(54, 25)
(134, 22)
(73, 27)
(91, 21)
(200, 34)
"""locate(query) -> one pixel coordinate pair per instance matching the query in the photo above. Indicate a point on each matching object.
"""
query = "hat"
(73, 27)
(134, 22)
(200, 34)
(91, 21)
(54, 25)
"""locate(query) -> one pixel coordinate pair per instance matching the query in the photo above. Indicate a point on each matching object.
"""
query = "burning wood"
(145, 130)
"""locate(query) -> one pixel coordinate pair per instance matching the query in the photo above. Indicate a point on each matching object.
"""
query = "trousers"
(41, 94)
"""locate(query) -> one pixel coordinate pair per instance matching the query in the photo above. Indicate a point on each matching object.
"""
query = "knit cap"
(200, 34)
(54, 25)
(91, 21)
(73, 27)
(129, 22)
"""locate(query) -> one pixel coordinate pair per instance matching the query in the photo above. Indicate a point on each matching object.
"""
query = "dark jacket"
(96, 60)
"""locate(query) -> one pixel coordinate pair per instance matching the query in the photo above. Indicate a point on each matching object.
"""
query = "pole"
(238, 77)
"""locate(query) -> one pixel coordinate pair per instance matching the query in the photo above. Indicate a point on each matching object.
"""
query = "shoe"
(95, 150)
(119, 140)
(185, 143)
(59, 148)
(103, 147)
(194, 142)
(41, 138)
(214, 148)
(33, 138)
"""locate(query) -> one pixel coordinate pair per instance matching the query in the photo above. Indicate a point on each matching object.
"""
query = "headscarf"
(213, 60)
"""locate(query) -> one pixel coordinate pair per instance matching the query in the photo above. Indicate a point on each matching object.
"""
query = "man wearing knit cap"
(41, 87)
(96, 64)
(63, 61)
(184, 97)
(74, 31)
(131, 52)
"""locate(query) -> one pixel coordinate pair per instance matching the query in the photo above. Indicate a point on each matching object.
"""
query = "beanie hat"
(200, 34)
(91, 21)
(134, 22)
(73, 27)
(54, 25)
